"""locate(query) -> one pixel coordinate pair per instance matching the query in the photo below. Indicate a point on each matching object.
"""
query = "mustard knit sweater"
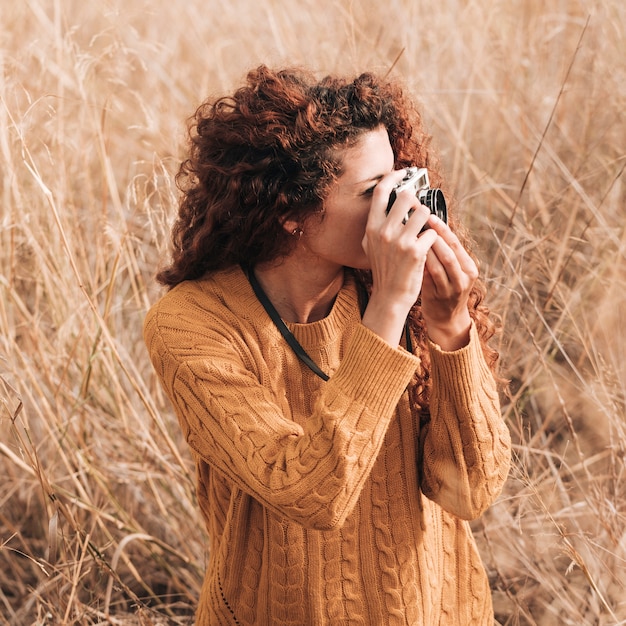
(327, 503)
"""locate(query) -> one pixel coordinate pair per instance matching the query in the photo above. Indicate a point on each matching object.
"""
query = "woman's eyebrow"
(367, 181)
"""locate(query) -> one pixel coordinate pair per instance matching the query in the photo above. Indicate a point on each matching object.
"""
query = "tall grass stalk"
(98, 519)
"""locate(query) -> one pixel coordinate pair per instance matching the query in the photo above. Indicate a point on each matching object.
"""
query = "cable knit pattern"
(324, 502)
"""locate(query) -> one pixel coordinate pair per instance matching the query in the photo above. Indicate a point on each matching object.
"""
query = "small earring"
(297, 232)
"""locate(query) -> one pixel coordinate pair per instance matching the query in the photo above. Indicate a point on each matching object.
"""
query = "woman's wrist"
(453, 335)
(386, 320)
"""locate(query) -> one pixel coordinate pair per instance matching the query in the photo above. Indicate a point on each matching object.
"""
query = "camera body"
(416, 180)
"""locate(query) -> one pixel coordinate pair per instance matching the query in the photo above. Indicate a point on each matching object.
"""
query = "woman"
(327, 362)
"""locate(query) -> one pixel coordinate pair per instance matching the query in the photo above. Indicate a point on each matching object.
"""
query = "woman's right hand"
(397, 252)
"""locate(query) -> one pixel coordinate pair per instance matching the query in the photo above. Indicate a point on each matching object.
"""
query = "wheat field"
(525, 100)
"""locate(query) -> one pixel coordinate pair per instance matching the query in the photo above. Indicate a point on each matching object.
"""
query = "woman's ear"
(292, 227)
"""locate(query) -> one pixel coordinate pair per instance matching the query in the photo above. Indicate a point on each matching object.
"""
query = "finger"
(409, 212)
(380, 196)
(450, 276)
(443, 230)
(437, 272)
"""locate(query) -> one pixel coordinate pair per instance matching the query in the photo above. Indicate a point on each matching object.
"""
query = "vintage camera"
(416, 179)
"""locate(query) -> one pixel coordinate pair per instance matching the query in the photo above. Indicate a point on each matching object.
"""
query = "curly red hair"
(269, 153)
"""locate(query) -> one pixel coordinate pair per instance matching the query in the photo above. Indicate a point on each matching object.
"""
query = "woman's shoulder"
(194, 306)
(227, 288)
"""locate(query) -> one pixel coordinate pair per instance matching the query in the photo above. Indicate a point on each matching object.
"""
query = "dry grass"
(98, 521)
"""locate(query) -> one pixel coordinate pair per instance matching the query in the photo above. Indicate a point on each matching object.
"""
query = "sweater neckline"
(312, 335)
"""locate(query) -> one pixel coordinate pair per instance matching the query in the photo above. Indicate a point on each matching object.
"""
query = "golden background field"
(526, 101)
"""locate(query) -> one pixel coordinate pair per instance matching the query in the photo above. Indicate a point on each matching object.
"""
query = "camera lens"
(436, 203)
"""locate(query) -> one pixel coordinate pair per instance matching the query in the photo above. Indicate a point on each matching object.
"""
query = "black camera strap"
(299, 351)
(282, 327)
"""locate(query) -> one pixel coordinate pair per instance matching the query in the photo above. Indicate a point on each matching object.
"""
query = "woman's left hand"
(449, 276)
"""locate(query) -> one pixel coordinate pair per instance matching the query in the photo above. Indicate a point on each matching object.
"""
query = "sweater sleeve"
(311, 473)
(466, 446)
